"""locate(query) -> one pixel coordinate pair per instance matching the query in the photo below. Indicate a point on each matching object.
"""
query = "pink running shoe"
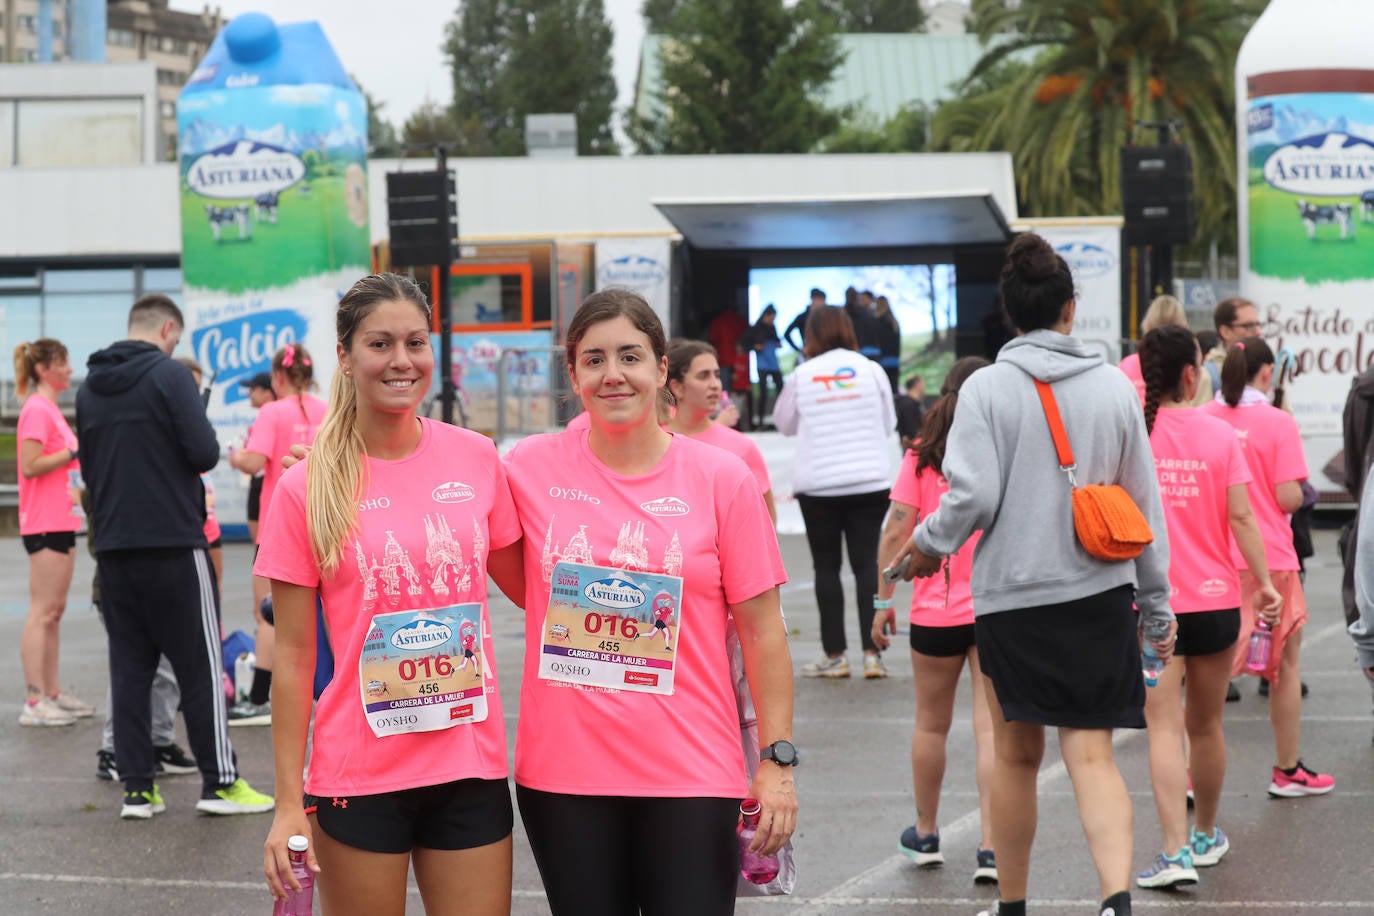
(1302, 782)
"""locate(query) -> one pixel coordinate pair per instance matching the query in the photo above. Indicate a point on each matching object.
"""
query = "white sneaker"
(836, 667)
(72, 706)
(873, 667)
(44, 712)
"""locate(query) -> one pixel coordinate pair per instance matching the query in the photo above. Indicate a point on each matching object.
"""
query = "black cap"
(261, 380)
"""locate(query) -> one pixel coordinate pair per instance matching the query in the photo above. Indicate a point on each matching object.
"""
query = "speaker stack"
(1157, 195)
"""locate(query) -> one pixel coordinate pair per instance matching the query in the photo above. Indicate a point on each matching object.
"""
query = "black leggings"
(765, 375)
(615, 856)
(858, 520)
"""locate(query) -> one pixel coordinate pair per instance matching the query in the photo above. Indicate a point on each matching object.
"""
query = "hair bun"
(1032, 259)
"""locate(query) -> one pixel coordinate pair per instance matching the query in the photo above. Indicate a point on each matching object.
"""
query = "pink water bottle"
(756, 867)
(297, 903)
(1261, 648)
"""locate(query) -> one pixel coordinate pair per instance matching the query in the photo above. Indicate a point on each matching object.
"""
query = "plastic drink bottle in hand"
(756, 867)
(297, 903)
(1150, 663)
(1261, 648)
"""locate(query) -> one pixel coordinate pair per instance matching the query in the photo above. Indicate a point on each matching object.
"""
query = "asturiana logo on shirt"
(666, 505)
(614, 593)
(1212, 588)
(452, 492)
(420, 635)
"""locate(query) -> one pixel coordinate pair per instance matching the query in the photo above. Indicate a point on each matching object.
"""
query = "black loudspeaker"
(422, 217)
(1157, 195)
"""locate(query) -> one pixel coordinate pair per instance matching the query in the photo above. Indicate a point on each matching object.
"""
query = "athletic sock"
(1118, 904)
(262, 687)
(1014, 908)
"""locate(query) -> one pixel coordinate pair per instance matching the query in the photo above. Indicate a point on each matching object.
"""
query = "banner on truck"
(641, 264)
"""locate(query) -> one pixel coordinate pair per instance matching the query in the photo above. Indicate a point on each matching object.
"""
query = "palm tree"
(1102, 66)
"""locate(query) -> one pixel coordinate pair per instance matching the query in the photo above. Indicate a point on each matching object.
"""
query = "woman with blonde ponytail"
(394, 523)
(292, 419)
(49, 517)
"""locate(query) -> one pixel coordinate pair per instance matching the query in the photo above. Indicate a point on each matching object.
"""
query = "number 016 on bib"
(612, 628)
(422, 671)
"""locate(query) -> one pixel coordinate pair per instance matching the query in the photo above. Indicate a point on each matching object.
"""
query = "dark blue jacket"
(144, 441)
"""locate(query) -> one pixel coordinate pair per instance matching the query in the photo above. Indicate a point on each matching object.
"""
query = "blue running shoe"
(923, 849)
(1208, 850)
(986, 872)
(1169, 871)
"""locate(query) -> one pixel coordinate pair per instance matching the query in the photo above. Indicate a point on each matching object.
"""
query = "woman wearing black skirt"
(1056, 632)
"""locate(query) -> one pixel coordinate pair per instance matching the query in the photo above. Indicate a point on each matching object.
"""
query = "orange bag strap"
(1057, 431)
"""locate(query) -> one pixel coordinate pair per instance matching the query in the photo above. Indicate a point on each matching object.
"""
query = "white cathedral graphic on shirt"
(444, 563)
(631, 551)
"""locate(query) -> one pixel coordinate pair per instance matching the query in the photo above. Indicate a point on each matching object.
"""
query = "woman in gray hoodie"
(1056, 631)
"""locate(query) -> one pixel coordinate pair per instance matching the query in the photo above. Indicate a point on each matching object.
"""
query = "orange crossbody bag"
(1105, 518)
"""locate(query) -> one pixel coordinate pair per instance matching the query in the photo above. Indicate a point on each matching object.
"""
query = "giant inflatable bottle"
(272, 141)
(1305, 123)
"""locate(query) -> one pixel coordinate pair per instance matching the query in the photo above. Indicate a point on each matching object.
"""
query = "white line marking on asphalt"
(185, 883)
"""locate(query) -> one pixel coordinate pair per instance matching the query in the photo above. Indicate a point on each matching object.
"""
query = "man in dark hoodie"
(145, 441)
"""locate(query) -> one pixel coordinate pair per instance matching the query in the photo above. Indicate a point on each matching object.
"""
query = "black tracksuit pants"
(164, 602)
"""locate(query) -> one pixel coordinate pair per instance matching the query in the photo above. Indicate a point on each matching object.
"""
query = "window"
(123, 38)
(26, 24)
(170, 78)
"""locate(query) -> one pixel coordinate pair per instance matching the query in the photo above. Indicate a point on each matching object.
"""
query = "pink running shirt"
(1196, 458)
(1130, 367)
(45, 503)
(1272, 447)
(737, 443)
(428, 523)
(699, 515)
(279, 425)
(931, 606)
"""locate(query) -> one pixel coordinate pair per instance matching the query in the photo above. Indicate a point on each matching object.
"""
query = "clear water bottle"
(756, 867)
(1151, 665)
(244, 666)
(1261, 648)
(297, 903)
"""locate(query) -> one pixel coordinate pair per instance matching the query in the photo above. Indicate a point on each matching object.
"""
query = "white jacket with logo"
(839, 406)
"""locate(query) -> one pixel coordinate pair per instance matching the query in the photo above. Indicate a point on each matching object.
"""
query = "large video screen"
(921, 296)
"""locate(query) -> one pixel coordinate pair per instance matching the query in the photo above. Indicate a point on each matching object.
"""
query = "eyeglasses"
(1246, 326)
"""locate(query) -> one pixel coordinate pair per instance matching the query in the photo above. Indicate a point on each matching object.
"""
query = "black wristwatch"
(780, 752)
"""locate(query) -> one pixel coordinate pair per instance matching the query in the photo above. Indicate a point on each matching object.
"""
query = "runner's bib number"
(423, 671)
(612, 628)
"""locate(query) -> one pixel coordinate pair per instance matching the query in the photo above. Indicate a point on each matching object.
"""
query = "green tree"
(877, 15)
(1104, 65)
(742, 76)
(430, 125)
(510, 58)
(658, 15)
(905, 132)
(560, 61)
(476, 44)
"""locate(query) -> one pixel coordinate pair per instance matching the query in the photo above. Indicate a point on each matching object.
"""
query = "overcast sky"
(394, 48)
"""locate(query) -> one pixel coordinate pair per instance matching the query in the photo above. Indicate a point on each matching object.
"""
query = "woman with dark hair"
(1202, 479)
(1272, 446)
(839, 406)
(695, 384)
(889, 340)
(942, 638)
(763, 338)
(628, 762)
(1056, 631)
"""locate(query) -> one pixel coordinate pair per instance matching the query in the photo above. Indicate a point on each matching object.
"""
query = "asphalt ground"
(63, 848)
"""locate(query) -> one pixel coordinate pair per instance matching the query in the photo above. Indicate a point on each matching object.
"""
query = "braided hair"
(930, 451)
(1164, 353)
